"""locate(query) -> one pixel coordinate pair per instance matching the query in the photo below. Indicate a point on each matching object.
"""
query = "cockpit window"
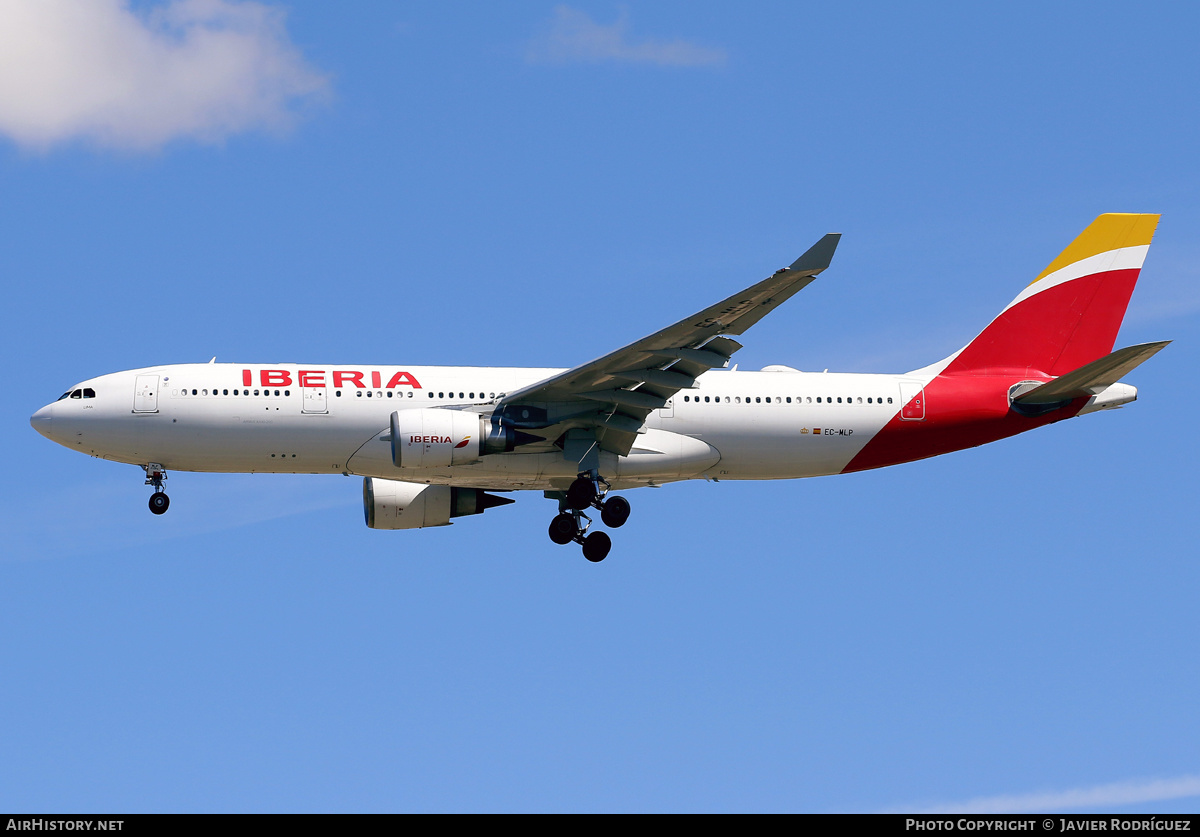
(66, 394)
(88, 392)
(77, 393)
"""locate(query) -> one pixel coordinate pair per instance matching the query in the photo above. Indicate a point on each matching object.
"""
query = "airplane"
(433, 443)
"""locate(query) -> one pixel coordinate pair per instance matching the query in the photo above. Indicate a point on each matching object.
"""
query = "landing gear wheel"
(563, 528)
(581, 494)
(159, 502)
(596, 547)
(615, 512)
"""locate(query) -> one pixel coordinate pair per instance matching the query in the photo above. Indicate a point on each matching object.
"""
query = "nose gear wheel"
(155, 474)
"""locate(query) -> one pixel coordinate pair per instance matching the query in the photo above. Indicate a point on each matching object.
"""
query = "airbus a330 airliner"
(431, 442)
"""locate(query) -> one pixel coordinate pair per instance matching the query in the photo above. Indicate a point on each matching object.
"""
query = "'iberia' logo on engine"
(429, 440)
(463, 443)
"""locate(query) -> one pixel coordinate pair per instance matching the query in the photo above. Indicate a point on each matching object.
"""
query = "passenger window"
(287, 393)
(737, 399)
(389, 393)
(277, 392)
(193, 392)
(818, 399)
(431, 395)
(789, 400)
(839, 399)
(225, 392)
(889, 400)
(336, 392)
(358, 393)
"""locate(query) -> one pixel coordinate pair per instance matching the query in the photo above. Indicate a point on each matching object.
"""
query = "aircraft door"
(145, 394)
(912, 397)
(314, 400)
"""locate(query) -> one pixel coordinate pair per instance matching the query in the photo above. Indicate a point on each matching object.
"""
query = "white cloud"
(575, 38)
(194, 69)
(1098, 798)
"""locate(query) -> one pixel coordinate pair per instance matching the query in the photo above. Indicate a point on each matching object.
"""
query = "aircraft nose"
(42, 420)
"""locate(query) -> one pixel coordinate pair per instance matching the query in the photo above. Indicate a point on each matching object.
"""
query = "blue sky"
(536, 184)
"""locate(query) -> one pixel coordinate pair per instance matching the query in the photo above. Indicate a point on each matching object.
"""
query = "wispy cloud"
(195, 69)
(1098, 798)
(573, 37)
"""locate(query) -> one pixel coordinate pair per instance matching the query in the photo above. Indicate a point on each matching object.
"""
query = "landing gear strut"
(571, 524)
(155, 474)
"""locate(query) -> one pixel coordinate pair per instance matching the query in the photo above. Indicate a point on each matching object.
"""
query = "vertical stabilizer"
(1070, 314)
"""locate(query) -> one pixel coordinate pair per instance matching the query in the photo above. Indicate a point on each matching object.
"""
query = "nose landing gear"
(571, 524)
(155, 474)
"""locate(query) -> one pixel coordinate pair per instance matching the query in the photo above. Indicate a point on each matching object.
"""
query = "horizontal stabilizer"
(1092, 378)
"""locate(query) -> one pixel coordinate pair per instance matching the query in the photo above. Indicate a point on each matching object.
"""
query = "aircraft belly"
(657, 456)
(786, 444)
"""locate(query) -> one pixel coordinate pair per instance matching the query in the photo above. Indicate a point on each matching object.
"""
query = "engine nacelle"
(393, 504)
(435, 438)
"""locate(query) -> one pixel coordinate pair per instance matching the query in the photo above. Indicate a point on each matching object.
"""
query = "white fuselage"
(222, 418)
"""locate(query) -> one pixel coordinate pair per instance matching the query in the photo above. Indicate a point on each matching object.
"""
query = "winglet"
(817, 257)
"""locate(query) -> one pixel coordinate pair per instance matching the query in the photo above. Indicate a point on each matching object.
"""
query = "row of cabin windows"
(285, 393)
(86, 392)
(737, 399)
(376, 393)
(470, 395)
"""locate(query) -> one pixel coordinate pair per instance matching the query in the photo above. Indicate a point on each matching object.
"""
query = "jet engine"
(393, 504)
(437, 438)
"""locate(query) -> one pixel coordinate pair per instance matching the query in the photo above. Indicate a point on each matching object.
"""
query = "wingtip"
(818, 257)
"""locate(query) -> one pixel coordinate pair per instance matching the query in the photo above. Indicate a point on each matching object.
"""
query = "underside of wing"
(601, 405)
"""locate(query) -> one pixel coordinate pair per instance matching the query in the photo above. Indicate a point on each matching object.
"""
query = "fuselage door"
(912, 397)
(145, 394)
(314, 400)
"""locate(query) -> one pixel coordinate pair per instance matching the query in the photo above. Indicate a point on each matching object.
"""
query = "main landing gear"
(155, 474)
(571, 524)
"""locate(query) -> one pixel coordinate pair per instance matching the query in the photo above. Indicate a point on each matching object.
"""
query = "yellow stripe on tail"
(1110, 231)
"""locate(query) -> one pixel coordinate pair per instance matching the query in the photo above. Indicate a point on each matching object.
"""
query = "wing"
(608, 399)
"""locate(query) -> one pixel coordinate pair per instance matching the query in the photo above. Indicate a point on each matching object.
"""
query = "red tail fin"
(1070, 314)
